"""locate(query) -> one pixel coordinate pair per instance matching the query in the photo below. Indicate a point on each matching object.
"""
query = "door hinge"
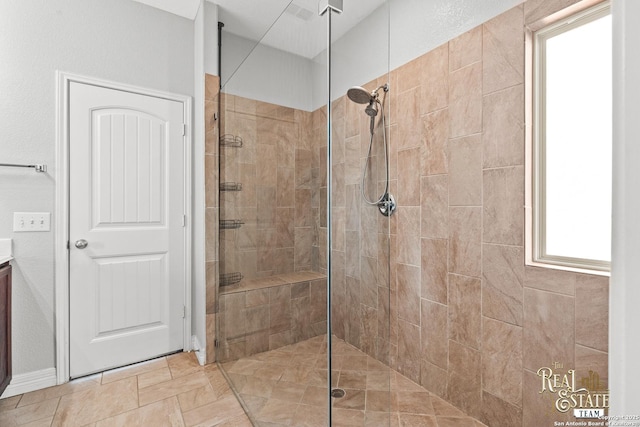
(184, 129)
(216, 343)
(184, 220)
(68, 245)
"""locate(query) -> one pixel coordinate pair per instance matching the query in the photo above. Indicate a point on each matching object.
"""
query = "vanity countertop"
(5, 251)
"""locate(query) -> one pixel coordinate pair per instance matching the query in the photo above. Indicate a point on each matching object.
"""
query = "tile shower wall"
(212, 85)
(469, 321)
(274, 168)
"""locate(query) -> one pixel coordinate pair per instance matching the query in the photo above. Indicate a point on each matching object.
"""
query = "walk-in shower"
(303, 327)
(385, 202)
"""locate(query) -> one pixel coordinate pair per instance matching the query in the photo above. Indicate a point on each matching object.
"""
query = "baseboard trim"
(31, 381)
(198, 350)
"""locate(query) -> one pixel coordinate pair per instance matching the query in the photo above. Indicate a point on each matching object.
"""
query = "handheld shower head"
(372, 108)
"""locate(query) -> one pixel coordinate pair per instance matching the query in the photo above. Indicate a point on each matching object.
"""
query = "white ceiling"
(184, 8)
(292, 26)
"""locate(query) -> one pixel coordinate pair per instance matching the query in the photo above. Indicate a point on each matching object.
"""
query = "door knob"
(81, 244)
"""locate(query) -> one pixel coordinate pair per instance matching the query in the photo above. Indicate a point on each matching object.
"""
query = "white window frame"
(536, 254)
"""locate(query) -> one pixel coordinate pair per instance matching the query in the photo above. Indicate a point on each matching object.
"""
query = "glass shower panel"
(272, 291)
(360, 234)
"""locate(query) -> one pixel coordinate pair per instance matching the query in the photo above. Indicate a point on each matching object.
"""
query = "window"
(572, 141)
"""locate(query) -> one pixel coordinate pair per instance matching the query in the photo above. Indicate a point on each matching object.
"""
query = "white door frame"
(61, 217)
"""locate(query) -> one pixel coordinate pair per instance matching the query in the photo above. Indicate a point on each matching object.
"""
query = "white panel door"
(127, 201)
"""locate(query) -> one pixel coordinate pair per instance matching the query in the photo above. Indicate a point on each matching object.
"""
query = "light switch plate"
(31, 221)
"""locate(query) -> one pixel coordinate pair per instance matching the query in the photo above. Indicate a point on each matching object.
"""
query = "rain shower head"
(359, 95)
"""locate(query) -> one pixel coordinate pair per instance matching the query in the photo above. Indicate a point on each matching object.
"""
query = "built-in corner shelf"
(229, 140)
(230, 186)
(230, 224)
(229, 279)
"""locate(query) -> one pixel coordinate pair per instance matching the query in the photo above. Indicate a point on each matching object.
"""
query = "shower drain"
(337, 393)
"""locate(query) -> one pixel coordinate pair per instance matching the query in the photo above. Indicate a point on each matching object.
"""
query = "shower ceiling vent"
(299, 12)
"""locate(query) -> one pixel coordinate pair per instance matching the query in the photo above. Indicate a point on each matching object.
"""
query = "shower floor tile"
(285, 387)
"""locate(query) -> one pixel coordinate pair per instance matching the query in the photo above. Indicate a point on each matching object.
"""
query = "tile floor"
(169, 391)
(283, 387)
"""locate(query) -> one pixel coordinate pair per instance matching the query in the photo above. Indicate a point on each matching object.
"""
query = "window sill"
(568, 268)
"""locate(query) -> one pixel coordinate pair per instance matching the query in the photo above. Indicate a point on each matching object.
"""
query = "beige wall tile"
(464, 242)
(464, 384)
(409, 235)
(503, 50)
(211, 225)
(266, 168)
(408, 135)
(338, 222)
(409, 177)
(435, 139)
(247, 106)
(352, 173)
(502, 290)
(266, 207)
(285, 226)
(434, 89)
(592, 311)
(433, 378)
(248, 196)
(410, 74)
(464, 305)
(465, 101)
(465, 171)
(303, 169)
(545, 279)
(212, 278)
(409, 293)
(286, 151)
(338, 192)
(549, 329)
(539, 408)
(503, 211)
(352, 254)
(465, 49)
(211, 337)
(434, 333)
(285, 189)
(368, 329)
(409, 350)
(300, 319)
(434, 270)
(592, 368)
(502, 360)
(212, 86)
(434, 193)
(496, 411)
(368, 282)
(211, 180)
(257, 297)
(302, 245)
(303, 217)
(503, 120)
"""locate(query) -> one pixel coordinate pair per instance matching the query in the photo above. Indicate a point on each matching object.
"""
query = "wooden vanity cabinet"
(5, 326)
